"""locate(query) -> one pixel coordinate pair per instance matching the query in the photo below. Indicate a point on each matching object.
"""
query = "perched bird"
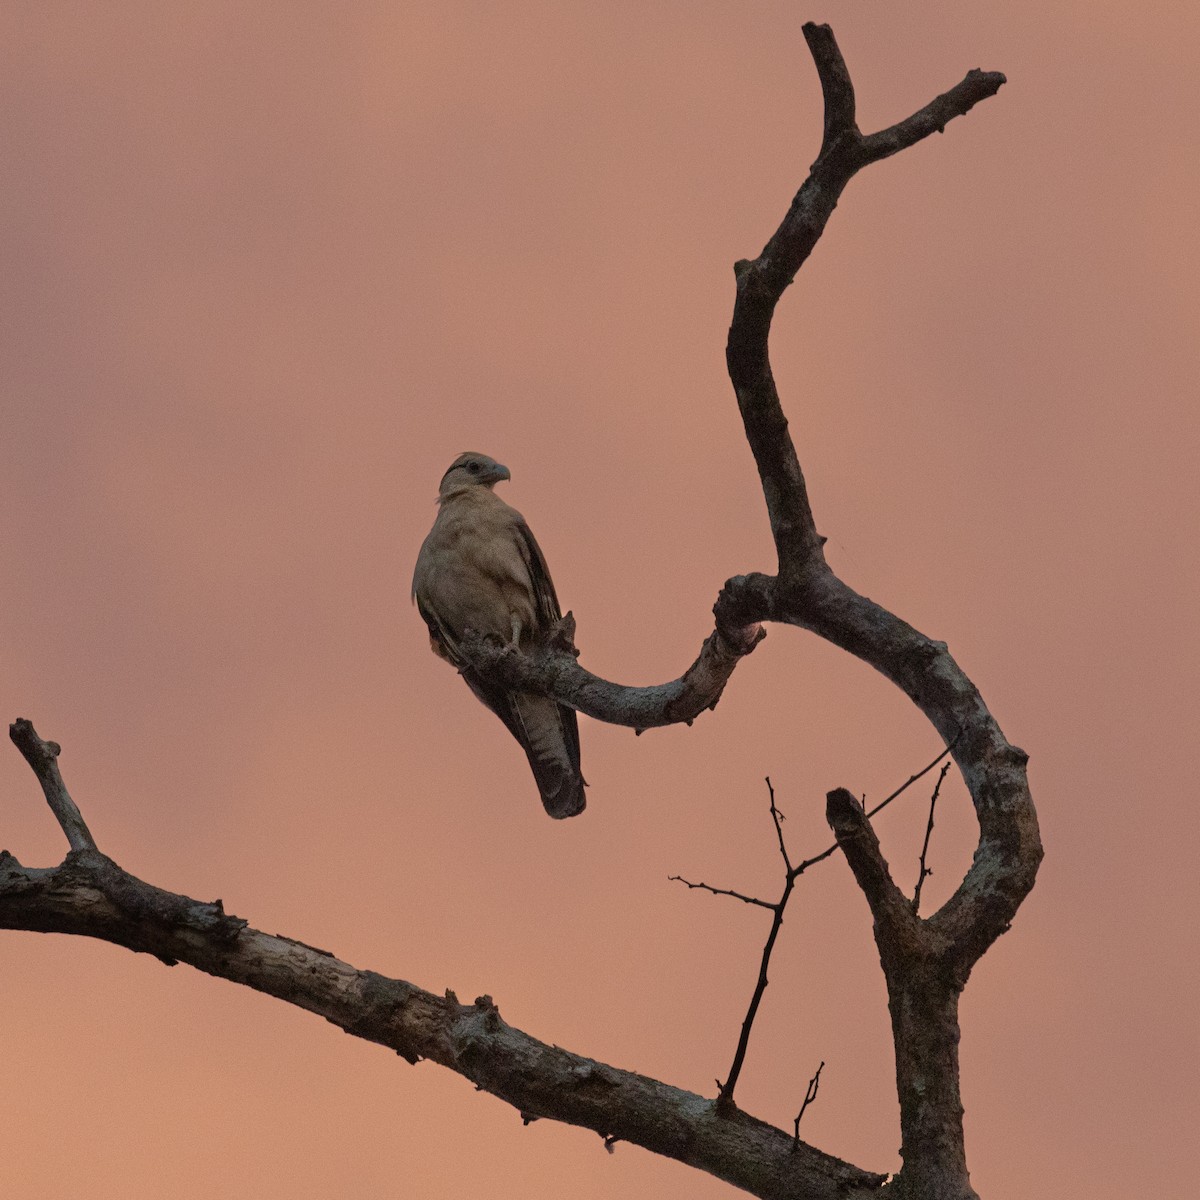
(480, 569)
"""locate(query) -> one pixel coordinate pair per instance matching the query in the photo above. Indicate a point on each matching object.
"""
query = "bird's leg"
(516, 632)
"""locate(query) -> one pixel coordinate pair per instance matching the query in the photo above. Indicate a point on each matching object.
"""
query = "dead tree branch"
(42, 757)
(552, 670)
(716, 891)
(810, 1094)
(926, 963)
(91, 896)
(923, 872)
(791, 873)
(725, 1101)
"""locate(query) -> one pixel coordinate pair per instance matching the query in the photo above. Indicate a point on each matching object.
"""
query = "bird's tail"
(549, 734)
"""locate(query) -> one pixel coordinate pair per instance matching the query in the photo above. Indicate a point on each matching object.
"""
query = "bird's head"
(472, 470)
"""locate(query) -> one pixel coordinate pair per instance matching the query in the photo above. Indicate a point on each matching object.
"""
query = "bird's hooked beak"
(499, 473)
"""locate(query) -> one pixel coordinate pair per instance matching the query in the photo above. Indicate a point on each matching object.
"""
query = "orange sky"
(268, 268)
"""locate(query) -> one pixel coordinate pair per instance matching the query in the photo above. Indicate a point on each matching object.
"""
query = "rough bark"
(551, 669)
(90, 895)
(926, 962)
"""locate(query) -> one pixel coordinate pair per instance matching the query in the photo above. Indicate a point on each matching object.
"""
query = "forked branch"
(725, 1097)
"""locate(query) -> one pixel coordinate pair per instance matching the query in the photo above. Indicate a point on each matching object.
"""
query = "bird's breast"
(472, 574)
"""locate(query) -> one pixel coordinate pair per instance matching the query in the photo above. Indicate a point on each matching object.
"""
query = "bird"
(480, 569)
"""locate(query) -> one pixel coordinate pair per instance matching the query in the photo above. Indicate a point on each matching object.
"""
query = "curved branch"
(926, 962)
(762, 281)
(552, 670)
(90, 895)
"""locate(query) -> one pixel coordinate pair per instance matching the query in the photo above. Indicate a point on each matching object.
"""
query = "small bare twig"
(725, 1101)
(925, 871)
(42, 756)
(778, 818)
(716, 891)
(810, 1094)
(725, 1090)
(800, 868)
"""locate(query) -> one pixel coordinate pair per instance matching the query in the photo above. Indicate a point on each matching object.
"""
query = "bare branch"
(935, 116)
(913, 778)
(725, 1100)
(552, 670)
(762, 281)
(90, 895)
(837, 89)
(791, 874)
(810, 1094)
(42, 756)
(852, 827)
(777, 818)
(716, 891)
(800, 868)
(924, 872)
(806, 593)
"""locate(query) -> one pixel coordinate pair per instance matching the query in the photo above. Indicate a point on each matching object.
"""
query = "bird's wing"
(544, 596)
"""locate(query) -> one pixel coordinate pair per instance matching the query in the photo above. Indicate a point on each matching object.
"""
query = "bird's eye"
(473, 467)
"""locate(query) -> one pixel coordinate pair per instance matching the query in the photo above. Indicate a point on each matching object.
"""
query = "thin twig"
(800, 868)
(725, 1099)
(913, 778)
(725, 1090)
(810, 1094)
(925, 871)
(791, 874)
(778, 818)
(716, 891)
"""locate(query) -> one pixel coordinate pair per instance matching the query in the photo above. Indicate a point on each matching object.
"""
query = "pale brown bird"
(481, 569)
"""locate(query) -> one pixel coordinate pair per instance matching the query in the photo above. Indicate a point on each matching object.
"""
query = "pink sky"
(268, 268)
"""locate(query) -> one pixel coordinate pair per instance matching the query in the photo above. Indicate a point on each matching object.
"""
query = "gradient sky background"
(267, 268)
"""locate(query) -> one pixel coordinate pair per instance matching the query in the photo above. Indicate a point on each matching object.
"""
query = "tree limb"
(90, 895)
(858, 842)
(552, 670)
